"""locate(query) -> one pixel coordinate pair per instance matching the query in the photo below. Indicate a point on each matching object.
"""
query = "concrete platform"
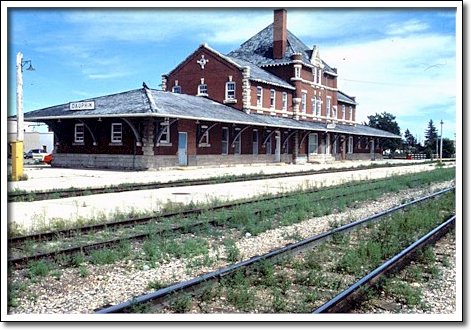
(38, 214)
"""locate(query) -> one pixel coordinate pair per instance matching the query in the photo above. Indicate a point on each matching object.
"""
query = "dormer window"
(203, 89)
(176, 89)
(319, 76)
(314, 75)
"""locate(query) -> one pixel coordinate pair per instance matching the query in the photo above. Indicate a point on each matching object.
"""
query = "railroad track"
(19, 240)
(27, 196)
(159, 299)
(351, 297)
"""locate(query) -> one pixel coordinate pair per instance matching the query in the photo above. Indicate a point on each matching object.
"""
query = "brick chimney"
(280, 34)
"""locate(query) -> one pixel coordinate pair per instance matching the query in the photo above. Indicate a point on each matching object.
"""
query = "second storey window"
(297, 71)
(79, 134)
(327, 106)
(176, 89)
(116, 133)
(285, 101)
(350, 113)
(319, 105)
(334, 111)
(203, 89)
(319, 76)
(314, 74)
(343, 111)
(230, 90)
(314, 101)
(303, 102)
(259, 96)
(272, 99)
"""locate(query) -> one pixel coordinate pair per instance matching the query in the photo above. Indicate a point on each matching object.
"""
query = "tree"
(448, 148)
(386, 122)
(431, 138)
(410, 142)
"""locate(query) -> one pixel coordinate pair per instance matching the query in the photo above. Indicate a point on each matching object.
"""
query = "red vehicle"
(47, 159)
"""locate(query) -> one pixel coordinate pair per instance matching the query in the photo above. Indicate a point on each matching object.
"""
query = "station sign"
(87, 105)
(330, 125)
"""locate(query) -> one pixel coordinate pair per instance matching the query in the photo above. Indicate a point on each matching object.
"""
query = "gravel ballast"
(119, 282)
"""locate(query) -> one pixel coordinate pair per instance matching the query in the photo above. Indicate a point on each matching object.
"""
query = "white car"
(36, 154)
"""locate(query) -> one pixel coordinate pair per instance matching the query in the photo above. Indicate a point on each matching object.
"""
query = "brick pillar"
(296, 147)
(148, 133)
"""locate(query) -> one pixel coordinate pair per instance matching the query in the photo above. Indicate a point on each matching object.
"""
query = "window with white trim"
(255, 142)
(269, 143)
(327, 106)
(79, 133)
(303, 102)
(237, 144)
(176, 89)
(319, 76)
(350, 145)
(314, 101)
(205, 136)
(259, 96)
(165, 129)
(272, 99)
(297, 72)
(350, 112)
(334, 111)
(319, 106)
(203, 89)
(343, 111)
(230, 90)
(314, 74)
(285, 101)
(116, 133)
(313, 143)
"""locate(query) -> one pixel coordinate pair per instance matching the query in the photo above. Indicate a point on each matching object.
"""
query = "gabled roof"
(154, 103)
(259, 50)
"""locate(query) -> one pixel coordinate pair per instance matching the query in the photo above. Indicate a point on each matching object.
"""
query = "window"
(230, 90)
(259, 96)
(116, 133)
(319, 76)
(285, 101)
(297, 72)
(313, 143)
(334, 111)
(225, 140)
(79, 136)
(314, 74)
(272, 99)
(237, 142)
(319, 105)
(343, 111)
(327, 107)
(303, 103)
(350, 144)
(176, 89)
(269, 144)
(205, 137)
(255, 142)
(202, 89)
(314, 106)
(334, 145)
(350, 112)
(165, 128)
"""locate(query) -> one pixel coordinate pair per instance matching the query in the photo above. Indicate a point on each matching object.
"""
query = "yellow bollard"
(17, 159)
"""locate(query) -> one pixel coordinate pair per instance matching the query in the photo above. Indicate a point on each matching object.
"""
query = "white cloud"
(410, 26)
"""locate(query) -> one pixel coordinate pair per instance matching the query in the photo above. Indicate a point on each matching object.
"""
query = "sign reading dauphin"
(86, 105)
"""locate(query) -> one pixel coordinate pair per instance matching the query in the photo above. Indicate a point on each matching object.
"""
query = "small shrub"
(181, 303)
(39, 268)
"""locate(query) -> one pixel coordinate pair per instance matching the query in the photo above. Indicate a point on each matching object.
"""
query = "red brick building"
(273, 99)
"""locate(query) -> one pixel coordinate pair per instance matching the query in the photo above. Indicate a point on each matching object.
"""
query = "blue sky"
(399, 60)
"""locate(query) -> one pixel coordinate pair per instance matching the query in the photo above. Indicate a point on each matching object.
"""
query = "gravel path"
(116, 283)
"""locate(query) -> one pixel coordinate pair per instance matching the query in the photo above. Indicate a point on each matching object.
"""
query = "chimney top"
(280, 34)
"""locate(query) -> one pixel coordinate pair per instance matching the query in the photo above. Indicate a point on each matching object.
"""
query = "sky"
(397, 60)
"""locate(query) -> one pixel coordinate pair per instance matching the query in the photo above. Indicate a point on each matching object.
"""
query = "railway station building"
(271, 100)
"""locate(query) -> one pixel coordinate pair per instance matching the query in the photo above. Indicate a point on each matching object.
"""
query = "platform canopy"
(146, 102)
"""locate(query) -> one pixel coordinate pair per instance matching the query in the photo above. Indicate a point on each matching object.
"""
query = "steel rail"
(192, 285)
(85, 248)
(141, 220)
(65, 193)
(347, 299)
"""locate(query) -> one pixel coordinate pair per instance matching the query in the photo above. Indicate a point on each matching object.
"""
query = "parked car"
(37, 154)
(48, 159)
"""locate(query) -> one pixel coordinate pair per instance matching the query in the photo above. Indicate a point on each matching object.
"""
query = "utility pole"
(17, 146)
(441, 140)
